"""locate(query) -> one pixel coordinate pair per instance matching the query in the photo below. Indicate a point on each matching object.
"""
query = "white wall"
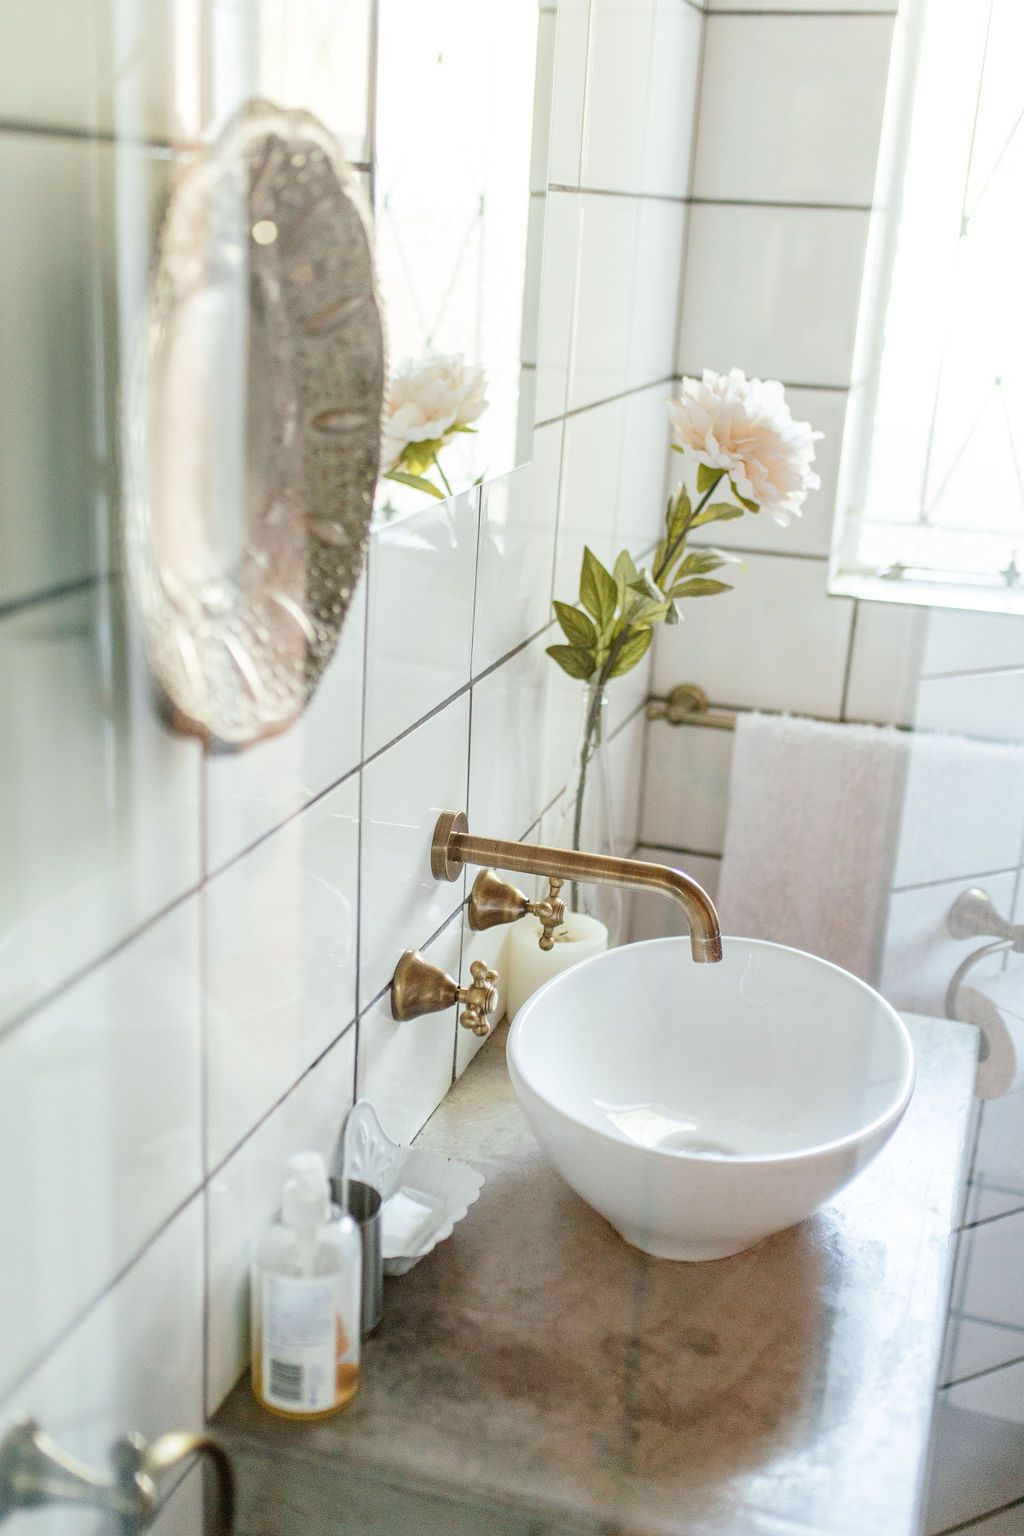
(198, 989)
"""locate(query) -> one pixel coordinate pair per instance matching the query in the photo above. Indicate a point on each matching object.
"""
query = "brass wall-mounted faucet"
(454, 846)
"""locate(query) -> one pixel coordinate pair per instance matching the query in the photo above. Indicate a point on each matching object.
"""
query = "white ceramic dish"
(424, 1194)
(701, 1107)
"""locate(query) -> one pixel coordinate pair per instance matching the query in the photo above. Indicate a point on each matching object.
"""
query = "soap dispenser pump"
(306, 1280)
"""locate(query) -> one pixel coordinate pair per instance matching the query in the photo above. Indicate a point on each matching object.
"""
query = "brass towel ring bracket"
(34, 1471)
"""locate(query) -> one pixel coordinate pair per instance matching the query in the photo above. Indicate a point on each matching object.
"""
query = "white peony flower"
(745, 427)
(427, 401)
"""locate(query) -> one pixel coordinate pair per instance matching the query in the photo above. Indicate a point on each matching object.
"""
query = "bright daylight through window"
(931, 507)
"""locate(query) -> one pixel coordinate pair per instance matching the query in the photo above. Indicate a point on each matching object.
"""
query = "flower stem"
(588, 746)
(665, 565)
(444, 477)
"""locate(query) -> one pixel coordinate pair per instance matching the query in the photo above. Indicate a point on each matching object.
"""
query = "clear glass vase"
(586, 812)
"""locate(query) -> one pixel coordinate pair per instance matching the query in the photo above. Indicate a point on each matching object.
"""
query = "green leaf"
(751, 506)
(417, 482)
(699, 586)
(624, 572)
(649, 612)
(576, 626)
(419, 457)
(677, 516)
(574, 660)
(707, 477)
(635, 648)
(701, 561)
(647, 587)
(598, 592)
(461, 427)
(718, 512)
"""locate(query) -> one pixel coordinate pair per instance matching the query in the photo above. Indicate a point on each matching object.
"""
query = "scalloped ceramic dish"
(424, 1194)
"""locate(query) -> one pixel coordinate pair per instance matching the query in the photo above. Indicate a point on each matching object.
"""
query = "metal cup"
(362, 1202)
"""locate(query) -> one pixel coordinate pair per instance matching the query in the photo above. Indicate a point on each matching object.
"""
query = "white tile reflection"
(99, 799)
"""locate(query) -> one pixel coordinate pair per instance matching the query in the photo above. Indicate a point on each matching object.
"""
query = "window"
(932, 500)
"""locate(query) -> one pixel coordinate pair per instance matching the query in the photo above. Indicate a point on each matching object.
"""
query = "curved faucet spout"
(454, 846)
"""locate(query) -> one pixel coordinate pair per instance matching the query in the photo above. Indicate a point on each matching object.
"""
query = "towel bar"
(687, 704)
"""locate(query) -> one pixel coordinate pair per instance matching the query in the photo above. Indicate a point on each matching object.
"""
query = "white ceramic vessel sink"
(701, 1107)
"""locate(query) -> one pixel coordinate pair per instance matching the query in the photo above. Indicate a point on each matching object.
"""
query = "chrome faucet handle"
(973, 915)
(493, 901)
(35, 1471)
(418, 987)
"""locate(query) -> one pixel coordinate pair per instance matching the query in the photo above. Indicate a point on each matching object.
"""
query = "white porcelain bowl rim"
(894, 1111)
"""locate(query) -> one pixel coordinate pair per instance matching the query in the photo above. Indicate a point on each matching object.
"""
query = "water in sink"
(656, 1126)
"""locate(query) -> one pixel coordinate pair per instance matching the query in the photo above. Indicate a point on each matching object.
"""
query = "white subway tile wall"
(236, 923)
(785, 194)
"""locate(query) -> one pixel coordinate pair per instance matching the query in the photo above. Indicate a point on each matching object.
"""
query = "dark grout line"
(848, 668)
(46, 999)
(683, 853)
(990, 1370)
(927, 885)
(704, 542)
(804, 15)
(1010, 669)
(751, 202)
(98, 136)
(300, 810)
(977, 1520)
(257, 1125)
(986, 1221)
(64, 1333)
(630, 718)
(510, 655)
(625, 196)
(830, 389)
(625, 394)
(17, 605)
(972, 1317)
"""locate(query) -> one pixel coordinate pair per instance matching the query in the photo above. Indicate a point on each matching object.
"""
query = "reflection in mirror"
(452, 210)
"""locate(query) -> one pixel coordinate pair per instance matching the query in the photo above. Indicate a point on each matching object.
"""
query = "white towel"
(811, 836)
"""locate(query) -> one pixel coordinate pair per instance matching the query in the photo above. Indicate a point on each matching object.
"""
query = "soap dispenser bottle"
(306, 1280)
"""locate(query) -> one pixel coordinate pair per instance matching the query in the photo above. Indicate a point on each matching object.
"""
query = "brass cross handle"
(419, 987)
(493, 901)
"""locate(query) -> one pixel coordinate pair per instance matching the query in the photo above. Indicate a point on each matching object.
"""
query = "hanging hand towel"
(811, 837)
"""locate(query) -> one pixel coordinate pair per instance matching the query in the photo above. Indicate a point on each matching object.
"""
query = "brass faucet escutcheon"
(493, 901)
(454, 846)
(419, 987)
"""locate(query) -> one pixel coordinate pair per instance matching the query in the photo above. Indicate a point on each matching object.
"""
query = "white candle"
(528, 966)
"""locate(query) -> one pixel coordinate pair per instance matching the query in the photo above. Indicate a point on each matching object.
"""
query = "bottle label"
(304, 1343)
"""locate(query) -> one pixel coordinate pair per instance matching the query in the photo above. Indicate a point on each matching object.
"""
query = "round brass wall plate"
(254, 426)
(445, 864)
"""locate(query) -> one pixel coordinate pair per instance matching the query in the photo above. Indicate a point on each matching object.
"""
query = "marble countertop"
(535, 1375)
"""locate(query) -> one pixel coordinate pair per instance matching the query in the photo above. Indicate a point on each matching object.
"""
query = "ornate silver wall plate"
(254, 427)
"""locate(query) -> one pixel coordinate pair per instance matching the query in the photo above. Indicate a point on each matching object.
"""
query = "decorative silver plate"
(254, 427)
